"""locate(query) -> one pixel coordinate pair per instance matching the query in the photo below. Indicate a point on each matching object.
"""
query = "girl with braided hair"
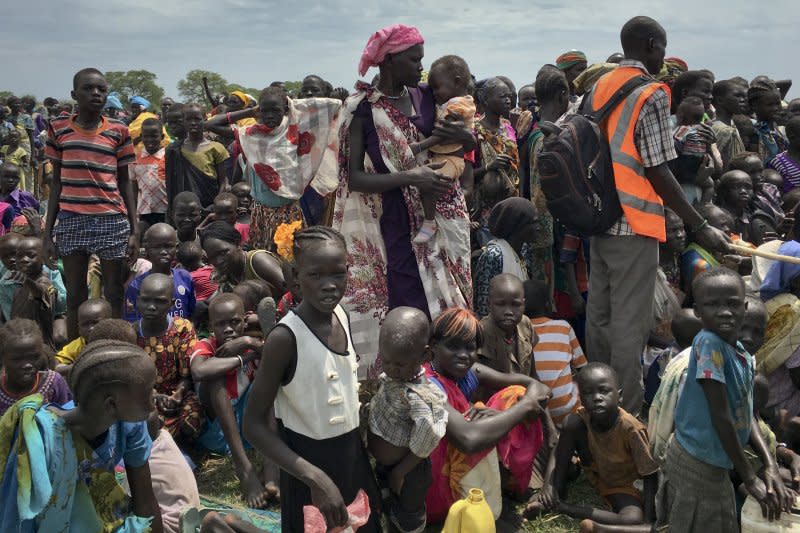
(310, 378)
(64, 480)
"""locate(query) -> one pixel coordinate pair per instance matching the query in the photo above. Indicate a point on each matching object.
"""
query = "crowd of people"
(370, 291)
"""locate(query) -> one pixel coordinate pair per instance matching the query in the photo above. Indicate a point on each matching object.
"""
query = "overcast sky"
(253, 42)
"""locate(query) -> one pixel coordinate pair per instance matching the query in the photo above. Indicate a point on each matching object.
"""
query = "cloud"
(253, 42)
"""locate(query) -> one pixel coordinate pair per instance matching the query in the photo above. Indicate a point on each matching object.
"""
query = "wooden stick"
(766, 255)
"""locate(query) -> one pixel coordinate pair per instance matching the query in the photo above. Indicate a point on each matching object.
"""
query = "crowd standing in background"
(379, 292)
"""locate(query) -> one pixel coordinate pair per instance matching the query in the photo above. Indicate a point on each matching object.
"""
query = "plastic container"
(754, 522)
(470, 515)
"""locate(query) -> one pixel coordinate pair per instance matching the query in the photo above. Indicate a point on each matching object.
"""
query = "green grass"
(216, 479)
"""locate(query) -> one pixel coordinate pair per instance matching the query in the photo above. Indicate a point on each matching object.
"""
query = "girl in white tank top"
(309, 375)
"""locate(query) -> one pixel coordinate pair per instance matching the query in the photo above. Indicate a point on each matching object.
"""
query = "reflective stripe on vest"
(643, 207)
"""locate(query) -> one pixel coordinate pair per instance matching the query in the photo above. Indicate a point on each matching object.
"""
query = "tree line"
(190, 89)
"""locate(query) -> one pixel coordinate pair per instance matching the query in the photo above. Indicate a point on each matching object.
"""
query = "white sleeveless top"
(321, 400)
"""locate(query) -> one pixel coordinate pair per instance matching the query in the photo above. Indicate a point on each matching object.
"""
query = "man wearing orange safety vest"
(624, 260)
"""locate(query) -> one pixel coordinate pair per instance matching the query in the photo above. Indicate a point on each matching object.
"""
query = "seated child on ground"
(556, 355)
(21, 351)
(449, 80)
(160, 244)
(242, 192)
(90, 313)
(36, 292)
(614, 453)
(112, 384)
(190, 258)
(407, 418)
(693, 166)
(713, 417)
(508, 336)
(169, 341)
(223, 367)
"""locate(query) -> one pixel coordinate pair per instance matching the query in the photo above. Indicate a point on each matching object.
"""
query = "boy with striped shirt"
(92, 205)
(557, 354)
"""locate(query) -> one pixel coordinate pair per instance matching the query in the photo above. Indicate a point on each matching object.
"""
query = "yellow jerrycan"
(470, 515)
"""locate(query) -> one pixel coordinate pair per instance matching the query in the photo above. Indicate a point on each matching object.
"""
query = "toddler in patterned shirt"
(407, 418)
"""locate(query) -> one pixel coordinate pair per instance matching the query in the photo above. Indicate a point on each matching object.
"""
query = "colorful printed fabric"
(301, 151)
(150, 175)
(53, 481)
(170, 352)
(89, 162)
(490, 145)
(569, 59)
(449, 465)
(443, 262)
(389, 40)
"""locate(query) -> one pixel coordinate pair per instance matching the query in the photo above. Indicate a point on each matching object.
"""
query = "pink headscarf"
(389, 40)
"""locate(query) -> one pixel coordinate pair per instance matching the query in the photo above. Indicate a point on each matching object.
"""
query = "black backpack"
(577, 177)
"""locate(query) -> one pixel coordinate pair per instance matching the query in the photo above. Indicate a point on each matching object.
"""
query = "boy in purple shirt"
(10, 192)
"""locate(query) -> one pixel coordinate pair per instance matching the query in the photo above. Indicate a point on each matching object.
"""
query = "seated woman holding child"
(467, 457)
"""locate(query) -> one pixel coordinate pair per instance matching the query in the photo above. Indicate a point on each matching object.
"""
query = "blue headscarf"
(140, 100)
(113, 102)
(780, 274)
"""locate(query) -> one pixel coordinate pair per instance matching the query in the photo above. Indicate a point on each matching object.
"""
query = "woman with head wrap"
(512, 223)
(377, 205)
(238, 100)
(779, 357)
(139, 113)
(113, 105)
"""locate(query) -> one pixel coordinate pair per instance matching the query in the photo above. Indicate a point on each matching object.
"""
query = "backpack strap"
(630, 86)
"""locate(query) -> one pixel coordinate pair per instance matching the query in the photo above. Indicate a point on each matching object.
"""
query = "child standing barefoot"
(714, 419)
(310, 380)
(77, 449)
(91, 196)
(449, 80)
(407, 417)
